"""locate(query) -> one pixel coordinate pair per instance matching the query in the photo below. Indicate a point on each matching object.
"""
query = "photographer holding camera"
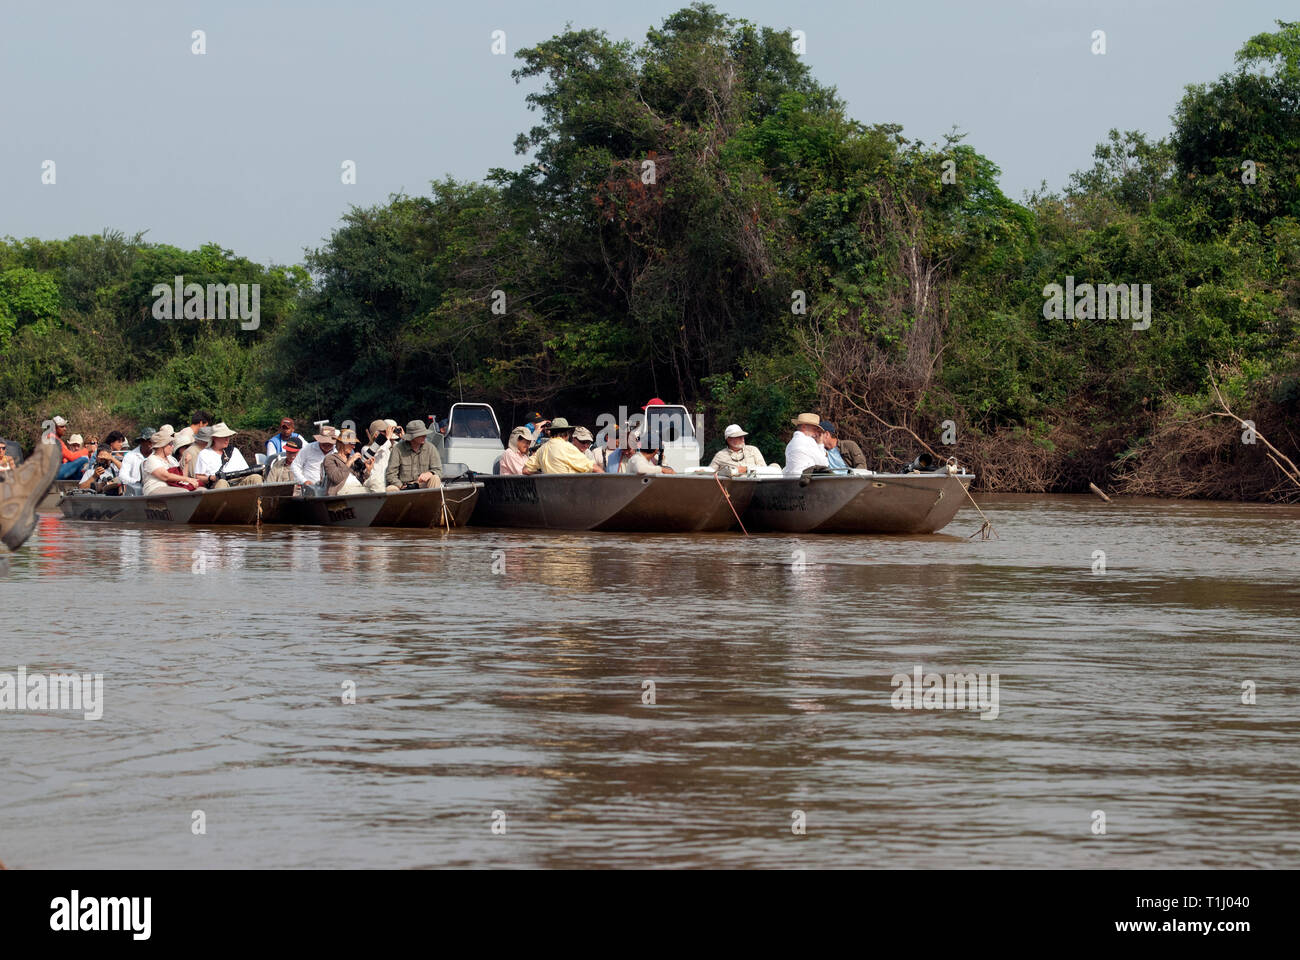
(340, 465)
(376, 454)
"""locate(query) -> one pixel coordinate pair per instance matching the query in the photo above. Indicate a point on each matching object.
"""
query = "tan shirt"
(748, 457)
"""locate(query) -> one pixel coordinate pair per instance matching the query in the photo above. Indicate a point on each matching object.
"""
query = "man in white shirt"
(134, 459)
(805, 448)
(306, 466)
(212, 462)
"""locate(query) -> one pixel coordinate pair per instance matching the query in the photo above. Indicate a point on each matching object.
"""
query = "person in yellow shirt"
(558, 455)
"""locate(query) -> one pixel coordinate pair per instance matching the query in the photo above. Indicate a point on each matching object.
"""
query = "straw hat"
(220, 430)
(807, 420)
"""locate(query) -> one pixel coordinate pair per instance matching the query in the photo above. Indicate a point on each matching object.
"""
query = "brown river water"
(500, 681)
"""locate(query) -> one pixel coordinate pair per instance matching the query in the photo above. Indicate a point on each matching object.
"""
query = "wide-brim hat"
(582, 433)
(146, 433)
(559, 423)
(186, 437)
(220, 430)
(521, 432)
(733, 430)
(326, 435)
(807, 420)
(347, 436)
(416, 428)
(161, 438)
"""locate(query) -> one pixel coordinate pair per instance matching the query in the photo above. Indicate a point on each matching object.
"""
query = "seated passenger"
(516, 455)
(638, 461)
(103, 476)
(221, 458)
(281, 469)
(414, 463)
(275, 445)
(582, 439)
(74, 461)
(841, 454)
(561, 456)
(306, 467)
(161, 477)
(376, 455)
(337, 467)
(805, 449)
(737, 457)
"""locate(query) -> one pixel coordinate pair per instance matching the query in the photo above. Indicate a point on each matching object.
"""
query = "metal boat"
(230, 505)
(856, 502)
(447, 506)
(676, 503)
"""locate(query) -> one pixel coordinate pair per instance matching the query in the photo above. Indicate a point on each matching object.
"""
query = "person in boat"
(737, 457)
(805, 450)
(337, 466)
(102, 477)
(129, 473)
(537, 425)
(306, 466)
(638, 461)
(199, 418)
(74, 461)
(189, 444)
(275, 445)
(606, 452)
(6, 461)
(516, 455)
(375, 456)
(841, 454)
(582, 439)
(221, 458)
(281, 469)
(558, 455)
(161, 476)
(414, 463)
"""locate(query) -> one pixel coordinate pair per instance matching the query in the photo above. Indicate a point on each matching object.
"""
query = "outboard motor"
(924, 463)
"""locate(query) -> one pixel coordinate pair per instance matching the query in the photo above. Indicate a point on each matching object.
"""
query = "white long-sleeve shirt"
(306, 467)
(801, 453)
(131, 464)
(209, 462)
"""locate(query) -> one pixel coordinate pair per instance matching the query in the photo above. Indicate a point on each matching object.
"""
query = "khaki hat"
(378, 427)
(582, 433)
(416, 428)
(807, 420)
(327, 435)
(75, 438)
(186, 436)
(221, 430)
(733, 430)
(521, 432)
(347, 436)
(60, 422)
(162, 438)
(390, 423)
(559, 423)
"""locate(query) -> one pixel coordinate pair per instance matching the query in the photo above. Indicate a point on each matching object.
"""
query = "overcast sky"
(243, 146)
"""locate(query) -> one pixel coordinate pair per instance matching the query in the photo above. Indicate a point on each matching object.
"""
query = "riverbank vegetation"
(696, 217)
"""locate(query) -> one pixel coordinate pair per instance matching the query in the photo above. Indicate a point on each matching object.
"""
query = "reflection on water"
(505, 670)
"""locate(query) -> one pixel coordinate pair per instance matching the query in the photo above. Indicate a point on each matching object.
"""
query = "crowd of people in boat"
(336, 462)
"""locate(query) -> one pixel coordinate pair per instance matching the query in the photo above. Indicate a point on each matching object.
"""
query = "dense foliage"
(697, 218)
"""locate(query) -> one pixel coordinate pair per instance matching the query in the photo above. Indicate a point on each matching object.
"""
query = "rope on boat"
(986, 527)
(446, 514)
(731, 505)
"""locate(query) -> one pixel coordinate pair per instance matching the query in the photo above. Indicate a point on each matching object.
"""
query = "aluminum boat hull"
(909, 503)
(614, 502)
(229, 506)
(405, 508)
